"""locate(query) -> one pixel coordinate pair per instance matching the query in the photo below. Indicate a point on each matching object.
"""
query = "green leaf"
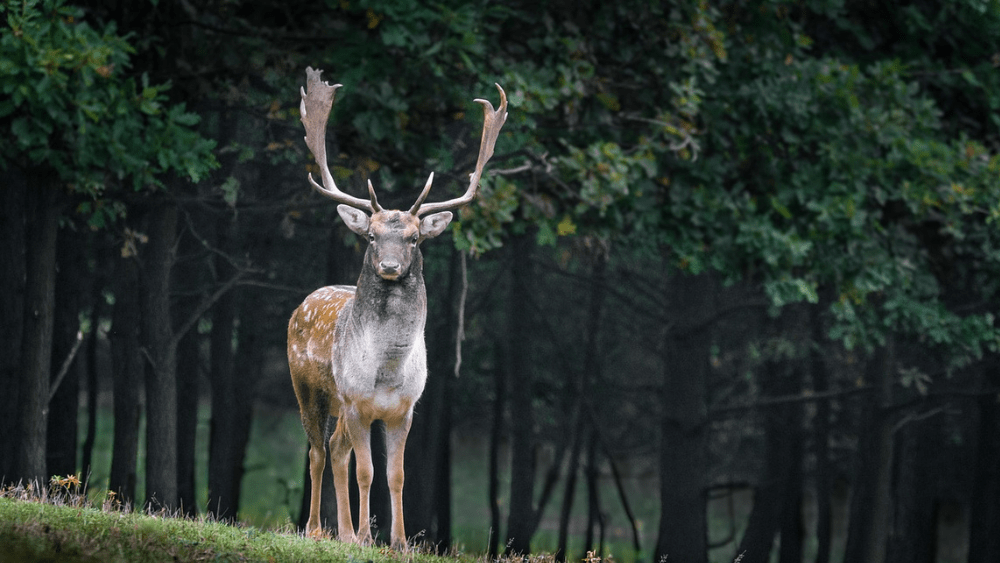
(230, 190)
(781, 209)
(566, 226)
(970, 77)
(546, 236)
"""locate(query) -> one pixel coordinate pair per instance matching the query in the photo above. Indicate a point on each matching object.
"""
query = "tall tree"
(42, 219)
(984, 544)
(683, 532)
(868, 534)
(160, 353)
(224, 461)
(68, 335)
(522, 517)
(126, 369)
(12, 265)
(77, 120)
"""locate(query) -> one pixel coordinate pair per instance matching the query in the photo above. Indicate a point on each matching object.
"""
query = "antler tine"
(371, 196)
(493, 121)
(423, 195)
(317, 99)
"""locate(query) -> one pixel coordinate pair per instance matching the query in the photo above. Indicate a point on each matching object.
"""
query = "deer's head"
(393, 236)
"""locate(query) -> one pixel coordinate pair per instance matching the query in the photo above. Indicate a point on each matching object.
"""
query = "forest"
(744, 249)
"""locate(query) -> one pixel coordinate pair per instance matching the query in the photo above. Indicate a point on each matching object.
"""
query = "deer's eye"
(371, 237)
(413, 240)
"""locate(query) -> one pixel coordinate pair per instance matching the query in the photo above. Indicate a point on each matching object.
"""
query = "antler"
(493, 121)
(317, 99)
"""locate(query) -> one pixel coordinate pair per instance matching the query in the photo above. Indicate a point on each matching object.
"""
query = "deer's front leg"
(395, 440)
(340, 457)
(359, 429)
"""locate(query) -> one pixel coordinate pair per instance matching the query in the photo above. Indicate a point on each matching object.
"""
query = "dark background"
(749, 245)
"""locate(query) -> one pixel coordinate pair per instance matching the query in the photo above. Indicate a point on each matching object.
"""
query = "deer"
(357, 353)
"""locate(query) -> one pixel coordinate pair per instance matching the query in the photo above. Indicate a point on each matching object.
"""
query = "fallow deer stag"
(357, 353)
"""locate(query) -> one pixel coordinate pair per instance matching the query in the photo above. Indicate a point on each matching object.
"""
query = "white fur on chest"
(383, 363)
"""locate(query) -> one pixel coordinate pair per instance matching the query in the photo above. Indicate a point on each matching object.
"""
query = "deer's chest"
(383, 361)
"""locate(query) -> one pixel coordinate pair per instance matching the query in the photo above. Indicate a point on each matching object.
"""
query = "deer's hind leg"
(314, 407)
(340, 458)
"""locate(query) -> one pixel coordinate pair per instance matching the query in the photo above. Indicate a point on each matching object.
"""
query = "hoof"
(365, 540)
(318, 534)
(347, 538)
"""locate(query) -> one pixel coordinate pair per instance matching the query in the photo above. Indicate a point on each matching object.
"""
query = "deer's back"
(311, 333)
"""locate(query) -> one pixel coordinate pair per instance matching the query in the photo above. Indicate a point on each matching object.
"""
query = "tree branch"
(204, 306)
(511, 171)
(65, 365)
(236, 265)
(720, 412)
(460, 329)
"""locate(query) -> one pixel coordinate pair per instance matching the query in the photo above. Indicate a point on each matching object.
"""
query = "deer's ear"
(355, 219)
(434, 224)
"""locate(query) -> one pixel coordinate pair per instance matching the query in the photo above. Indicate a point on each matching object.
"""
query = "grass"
(57, 524)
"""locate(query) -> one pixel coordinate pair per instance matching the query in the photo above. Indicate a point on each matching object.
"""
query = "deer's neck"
(387, 330)
(395, 310)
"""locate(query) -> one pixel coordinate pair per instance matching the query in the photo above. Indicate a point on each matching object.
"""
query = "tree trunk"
(777, 507)
(42, 228)
(427, 500)
(626, 505)
(914, 517)
(191, 283)
(160, 352)
(821, 437)
(97, 313)
(64, 406)
(12, 247)
(683, 534)
(441, 426)
(188, 367)
(127, 366)
(791, 528)
(496, 433)
(442, 474)
(236, 360)
(984, 541)
(520, 374)
(595, 516)
(769, 495)
(569, 490)
(223, 492)
(249, 371)
(433, 486)
(868, 524)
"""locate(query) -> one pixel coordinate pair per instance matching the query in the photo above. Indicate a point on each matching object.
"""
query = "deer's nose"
(388, 268)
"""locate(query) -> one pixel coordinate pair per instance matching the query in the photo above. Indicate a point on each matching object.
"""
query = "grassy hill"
(54, 525)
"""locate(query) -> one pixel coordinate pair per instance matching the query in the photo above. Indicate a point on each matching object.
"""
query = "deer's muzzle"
(389, 270)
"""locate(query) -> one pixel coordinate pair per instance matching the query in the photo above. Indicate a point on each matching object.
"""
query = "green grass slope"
(65, 529)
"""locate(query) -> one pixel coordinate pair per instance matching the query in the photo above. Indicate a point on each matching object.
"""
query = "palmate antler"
(317, 99)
